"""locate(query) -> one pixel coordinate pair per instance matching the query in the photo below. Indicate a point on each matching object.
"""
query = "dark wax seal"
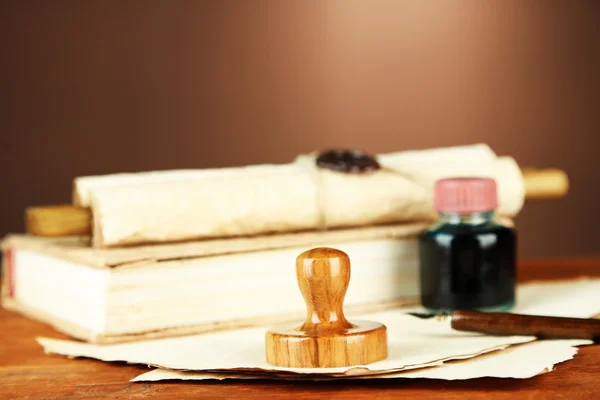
(351, 161)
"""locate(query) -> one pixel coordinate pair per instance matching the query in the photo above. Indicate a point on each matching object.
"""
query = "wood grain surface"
(495, 323)
(27, 373)
(326, 339)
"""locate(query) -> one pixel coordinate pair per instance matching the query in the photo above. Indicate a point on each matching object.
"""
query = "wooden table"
(26, 372)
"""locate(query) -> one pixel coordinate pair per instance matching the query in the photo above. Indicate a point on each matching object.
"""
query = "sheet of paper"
(541, 356)
(413, 342)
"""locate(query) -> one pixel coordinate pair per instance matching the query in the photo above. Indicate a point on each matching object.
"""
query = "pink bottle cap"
(465, 195)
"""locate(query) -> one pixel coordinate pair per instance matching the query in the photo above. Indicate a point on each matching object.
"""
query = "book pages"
(77, 249)
(413, 342)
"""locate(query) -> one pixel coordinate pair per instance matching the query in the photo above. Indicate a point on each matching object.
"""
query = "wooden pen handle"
(526, 325)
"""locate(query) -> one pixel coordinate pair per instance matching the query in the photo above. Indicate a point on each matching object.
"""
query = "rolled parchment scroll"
(178, 205)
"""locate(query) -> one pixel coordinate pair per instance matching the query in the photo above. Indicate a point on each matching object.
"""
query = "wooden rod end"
(545, 184)
(59, 220)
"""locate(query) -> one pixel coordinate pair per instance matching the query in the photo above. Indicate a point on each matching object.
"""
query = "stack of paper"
(417, 348)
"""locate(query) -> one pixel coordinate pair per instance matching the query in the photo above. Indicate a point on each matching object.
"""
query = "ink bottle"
(467, 260)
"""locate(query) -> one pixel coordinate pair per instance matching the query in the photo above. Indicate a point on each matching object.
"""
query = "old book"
(123, 294)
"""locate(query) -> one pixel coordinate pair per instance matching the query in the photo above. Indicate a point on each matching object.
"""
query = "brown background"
(92, 87)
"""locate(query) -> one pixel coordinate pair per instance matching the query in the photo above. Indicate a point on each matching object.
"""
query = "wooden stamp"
(326, 339)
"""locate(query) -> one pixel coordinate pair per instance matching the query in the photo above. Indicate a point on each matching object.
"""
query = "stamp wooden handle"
(325, 339)
(323, 276)
(526, 325)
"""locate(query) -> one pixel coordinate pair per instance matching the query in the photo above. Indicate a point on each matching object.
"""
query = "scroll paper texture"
(192, 204)
(413, 342)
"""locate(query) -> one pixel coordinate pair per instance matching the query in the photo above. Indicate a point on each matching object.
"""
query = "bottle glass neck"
(477, 218)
